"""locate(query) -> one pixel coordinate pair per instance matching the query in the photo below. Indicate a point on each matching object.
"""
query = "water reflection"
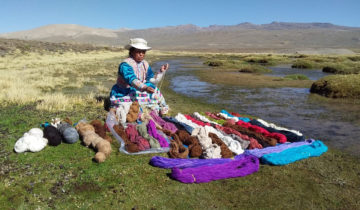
(294, 108)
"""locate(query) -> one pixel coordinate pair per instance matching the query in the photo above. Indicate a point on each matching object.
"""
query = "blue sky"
(16, 15)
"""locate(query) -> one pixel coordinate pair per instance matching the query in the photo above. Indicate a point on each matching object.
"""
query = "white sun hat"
(138, 43)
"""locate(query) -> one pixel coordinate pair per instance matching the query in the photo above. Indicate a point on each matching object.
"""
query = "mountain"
(278, 36)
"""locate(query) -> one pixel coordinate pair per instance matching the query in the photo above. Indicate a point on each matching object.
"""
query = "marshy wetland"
(38, 86)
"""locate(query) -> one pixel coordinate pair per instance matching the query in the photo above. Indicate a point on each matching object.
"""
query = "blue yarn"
(245, 119)
(294, 154)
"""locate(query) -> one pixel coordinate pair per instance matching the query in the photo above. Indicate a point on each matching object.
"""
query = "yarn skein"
(52, 135)
(129, 146)
(69, 133)
(153, 132)
(133, 112)
(291, 155)
(163, 162)
(32, 141)
(237, 168)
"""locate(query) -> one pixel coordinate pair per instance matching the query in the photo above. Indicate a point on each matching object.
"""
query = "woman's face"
(138, 55)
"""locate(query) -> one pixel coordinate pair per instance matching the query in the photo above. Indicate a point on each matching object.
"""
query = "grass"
(296, 77)
(65, 177)
(338, 86)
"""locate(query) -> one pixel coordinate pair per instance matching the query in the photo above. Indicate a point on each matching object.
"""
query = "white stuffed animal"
(32, 141)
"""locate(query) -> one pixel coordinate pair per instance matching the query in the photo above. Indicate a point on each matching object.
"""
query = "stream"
(335, 122)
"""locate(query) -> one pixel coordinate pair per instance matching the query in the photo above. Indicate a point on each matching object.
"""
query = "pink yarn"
(165, 125)
(281, 138)
(134, 137)
(213, 116)
(153, 132)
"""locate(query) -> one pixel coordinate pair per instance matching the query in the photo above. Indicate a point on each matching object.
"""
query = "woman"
(136, 81)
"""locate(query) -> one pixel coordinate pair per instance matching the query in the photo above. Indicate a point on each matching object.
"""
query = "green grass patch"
(338, 86)
(296, 77)
(302, 64)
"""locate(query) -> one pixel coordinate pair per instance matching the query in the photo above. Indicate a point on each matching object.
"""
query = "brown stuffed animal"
(100, 130)
(89, 137)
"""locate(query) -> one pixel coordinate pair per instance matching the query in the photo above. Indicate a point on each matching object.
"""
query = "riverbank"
(65, 177)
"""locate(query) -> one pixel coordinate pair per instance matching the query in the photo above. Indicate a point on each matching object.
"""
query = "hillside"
(278, 36)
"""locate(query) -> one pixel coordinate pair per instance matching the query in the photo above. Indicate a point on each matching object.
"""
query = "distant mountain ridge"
(243, 36)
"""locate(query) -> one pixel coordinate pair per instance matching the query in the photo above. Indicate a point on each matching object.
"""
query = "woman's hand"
(164, 67)
(149, 89)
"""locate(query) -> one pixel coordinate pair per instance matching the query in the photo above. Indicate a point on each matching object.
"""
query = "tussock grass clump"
(246, 68)
(296, 77)
(303, 64)
(342, 69)
(214, 63)
(338, 86)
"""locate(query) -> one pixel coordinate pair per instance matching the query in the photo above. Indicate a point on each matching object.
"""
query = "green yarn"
(142, 129)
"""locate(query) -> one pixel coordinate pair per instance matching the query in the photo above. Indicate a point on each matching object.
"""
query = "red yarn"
(134, 137)
(281, 138)
(213, 116)
(254, 144)
(201, 123)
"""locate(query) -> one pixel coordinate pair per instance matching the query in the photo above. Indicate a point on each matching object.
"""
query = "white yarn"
(271, 125)
(210, 150)
(181, 118)
(232, 144)
(55, 122)
(244, 143)
(204, 119)
(227, 117)
(32, 141)
(122, 110)
(214, 151)
(158, 78)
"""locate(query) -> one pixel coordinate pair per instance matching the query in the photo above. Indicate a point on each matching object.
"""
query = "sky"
(17, 15)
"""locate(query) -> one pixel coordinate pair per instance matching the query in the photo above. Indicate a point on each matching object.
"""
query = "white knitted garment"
(271, 125)
(32, 141)
(122, 111)
(227, 117)
(203, 118)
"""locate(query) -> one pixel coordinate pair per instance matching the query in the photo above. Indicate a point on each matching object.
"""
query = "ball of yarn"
(69, 133)
(32, 141)
(52, 135)
(100, 157)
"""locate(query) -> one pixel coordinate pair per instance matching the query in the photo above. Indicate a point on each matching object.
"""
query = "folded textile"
(294, 154)
(244, 166)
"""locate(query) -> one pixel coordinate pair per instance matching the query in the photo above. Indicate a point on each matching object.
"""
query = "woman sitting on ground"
(136, 81)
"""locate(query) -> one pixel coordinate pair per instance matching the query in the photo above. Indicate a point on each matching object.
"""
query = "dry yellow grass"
(35, 77)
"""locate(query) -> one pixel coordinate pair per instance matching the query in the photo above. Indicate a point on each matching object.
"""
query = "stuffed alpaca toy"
(90, 138)
(100, 129)
(32, 141)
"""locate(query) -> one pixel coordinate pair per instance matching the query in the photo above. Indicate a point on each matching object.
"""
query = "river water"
(335, 122)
